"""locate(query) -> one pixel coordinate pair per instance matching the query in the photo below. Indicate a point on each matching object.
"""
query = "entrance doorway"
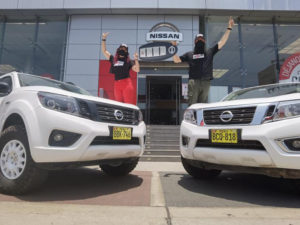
(163, 100)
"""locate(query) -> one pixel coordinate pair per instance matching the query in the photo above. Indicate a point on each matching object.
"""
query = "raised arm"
(103, 45)
(225, 37)
(176, 58)
(136, 66)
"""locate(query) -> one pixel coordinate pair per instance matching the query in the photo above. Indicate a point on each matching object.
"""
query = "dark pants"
(198, 91)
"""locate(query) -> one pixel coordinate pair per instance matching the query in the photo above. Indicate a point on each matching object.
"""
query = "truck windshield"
(265, 91)
(31, 80)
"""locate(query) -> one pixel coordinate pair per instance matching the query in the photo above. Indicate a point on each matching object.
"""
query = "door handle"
(7, 103)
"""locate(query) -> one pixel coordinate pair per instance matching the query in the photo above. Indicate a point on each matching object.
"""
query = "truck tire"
(122, 169)
(18, 172)
(199, 173)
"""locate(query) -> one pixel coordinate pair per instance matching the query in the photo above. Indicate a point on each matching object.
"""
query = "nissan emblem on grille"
(226, 116)
(118, 114)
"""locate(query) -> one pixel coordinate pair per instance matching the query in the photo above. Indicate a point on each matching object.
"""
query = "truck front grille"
(243, 115)
(106, 113)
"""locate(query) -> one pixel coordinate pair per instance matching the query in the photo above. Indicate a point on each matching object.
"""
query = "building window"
(259, 52)
(18, 42)
(249, 57)
(288, 40)
(34, 46)
(226, 69)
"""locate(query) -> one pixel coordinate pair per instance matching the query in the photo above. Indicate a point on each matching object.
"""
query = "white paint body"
(40, 122)
(268, 133)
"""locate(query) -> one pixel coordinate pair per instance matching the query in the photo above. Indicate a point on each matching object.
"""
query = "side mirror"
(4, 88)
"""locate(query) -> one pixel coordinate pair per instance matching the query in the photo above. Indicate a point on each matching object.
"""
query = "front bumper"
(272, 172)
(83, 149)
(268, 134)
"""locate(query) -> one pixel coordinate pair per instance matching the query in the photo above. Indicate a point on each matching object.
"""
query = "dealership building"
(61, 39)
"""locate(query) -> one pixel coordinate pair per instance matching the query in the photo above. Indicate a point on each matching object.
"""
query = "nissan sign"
(157, 51)
(164, 36)
(160, 47)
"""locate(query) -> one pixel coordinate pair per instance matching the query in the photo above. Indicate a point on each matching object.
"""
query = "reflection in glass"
(249, 56)
(34, 46)
(30, 80)
(288, 42)
(49, 47)
(265, 91)
(259, 54)
(226, 67)
(18, 44)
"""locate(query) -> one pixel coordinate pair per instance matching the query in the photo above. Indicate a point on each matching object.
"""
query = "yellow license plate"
(224, 136)
(121, 133)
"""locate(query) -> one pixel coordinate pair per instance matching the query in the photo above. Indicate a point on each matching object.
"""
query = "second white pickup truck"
(252, 130)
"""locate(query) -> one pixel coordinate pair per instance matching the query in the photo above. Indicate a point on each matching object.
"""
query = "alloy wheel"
(13, 159)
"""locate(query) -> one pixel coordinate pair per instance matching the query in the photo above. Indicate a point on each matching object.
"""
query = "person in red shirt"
(120, 67)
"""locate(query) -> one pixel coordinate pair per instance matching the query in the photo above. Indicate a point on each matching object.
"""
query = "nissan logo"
(172, 50)
(118, 114)
(226, 116)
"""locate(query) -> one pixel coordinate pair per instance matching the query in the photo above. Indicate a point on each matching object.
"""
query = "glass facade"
(254, 53)
(288, 39)
(258, 53)
(34, 46)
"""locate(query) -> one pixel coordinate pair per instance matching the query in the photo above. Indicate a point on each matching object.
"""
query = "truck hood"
(250, 101)
(71, 94)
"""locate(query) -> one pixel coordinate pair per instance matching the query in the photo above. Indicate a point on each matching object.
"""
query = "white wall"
(84, 44)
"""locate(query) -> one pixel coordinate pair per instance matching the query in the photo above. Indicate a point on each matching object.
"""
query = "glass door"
(163, 100)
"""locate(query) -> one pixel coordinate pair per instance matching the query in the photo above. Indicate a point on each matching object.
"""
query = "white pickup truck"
(253, 130)
(47, 124)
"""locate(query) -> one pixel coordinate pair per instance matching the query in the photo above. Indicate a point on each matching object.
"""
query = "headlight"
(59, 103)
(140, 116)
(288, 109)
(190, 116)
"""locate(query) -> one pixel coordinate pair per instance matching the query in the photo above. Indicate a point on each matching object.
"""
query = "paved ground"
(228, 190)
(90, 186)
(156, 193)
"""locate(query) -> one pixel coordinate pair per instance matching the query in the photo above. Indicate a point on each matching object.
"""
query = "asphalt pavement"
(155, 193)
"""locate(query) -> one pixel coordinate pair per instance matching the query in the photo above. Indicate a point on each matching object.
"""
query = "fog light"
(185, 140)
(293, 144)
(296, 143)
(58, 137)
(62, 138)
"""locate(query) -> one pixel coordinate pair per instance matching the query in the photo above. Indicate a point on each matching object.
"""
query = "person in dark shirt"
(201, 66)
(120, 67)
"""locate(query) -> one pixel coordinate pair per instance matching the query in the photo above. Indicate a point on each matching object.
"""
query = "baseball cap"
(199, 37)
